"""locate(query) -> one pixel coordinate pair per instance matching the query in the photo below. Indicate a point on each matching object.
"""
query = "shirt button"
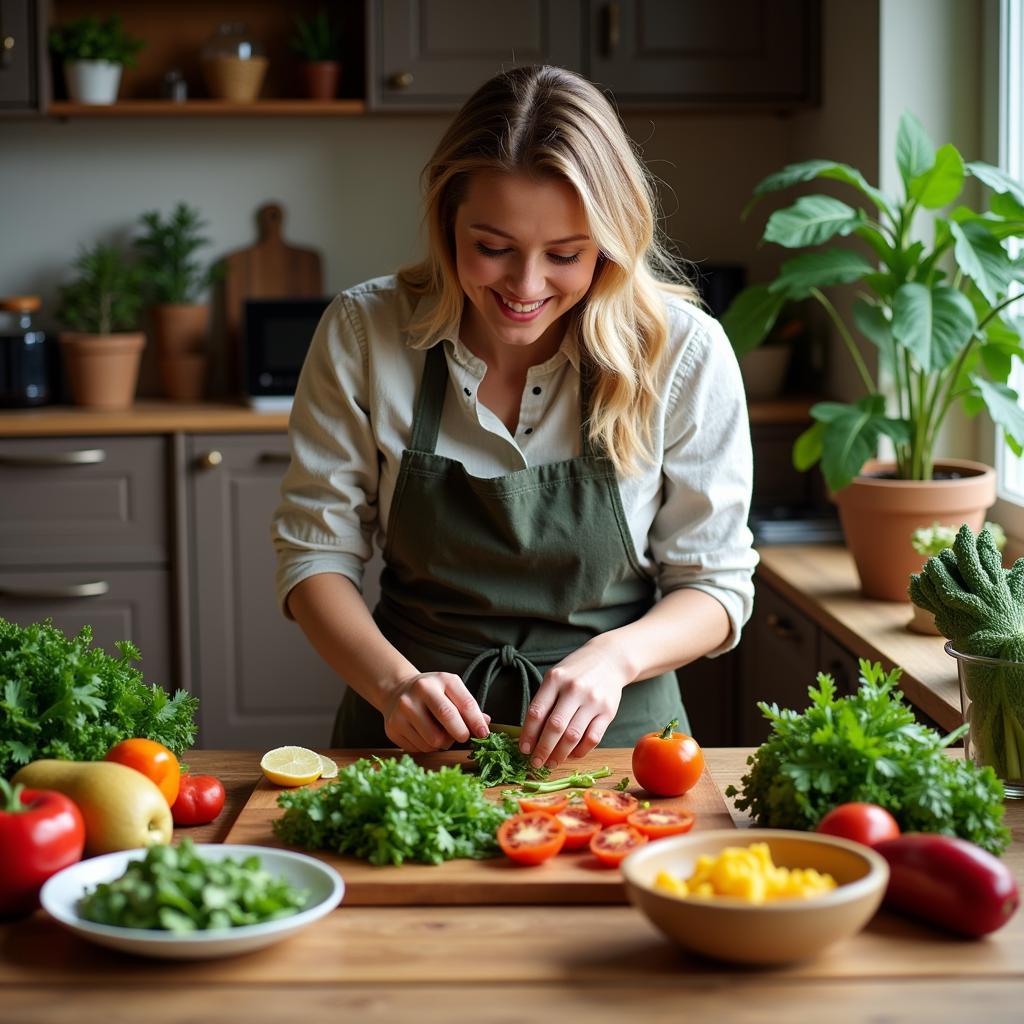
(468, 392)
(536, 391)
(528, 430)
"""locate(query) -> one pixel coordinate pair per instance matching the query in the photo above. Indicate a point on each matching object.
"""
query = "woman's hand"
(574, 704)
(431, 711)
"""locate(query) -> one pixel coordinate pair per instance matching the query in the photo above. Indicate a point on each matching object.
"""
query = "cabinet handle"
(210, 460)
(401, 80)
(96, 589)
(612, 33)
(85, 457)
(782, 628)
(6, 51)
(274, 458)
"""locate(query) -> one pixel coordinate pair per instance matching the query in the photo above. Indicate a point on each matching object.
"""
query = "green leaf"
(998, 362)
(807, 447)
(750, 317)
(808, 170)
(997, 180)
(915, 152)
(802, 274)
(1003, 204)
(872, 322)
(983, 259)
(934, 324)
(942, 182)
(811, 220)
(850, 437)
(1004, 406)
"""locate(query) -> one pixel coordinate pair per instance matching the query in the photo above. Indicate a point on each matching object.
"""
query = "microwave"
(275, 338)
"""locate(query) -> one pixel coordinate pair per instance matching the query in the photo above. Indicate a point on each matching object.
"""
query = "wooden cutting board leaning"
(575, 877)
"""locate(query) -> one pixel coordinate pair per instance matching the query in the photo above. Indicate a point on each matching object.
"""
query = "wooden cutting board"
(575, 877)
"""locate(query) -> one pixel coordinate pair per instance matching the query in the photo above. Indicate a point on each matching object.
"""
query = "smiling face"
(524, 257)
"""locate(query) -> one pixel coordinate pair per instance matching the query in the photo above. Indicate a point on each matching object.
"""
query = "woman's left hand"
(574, 704)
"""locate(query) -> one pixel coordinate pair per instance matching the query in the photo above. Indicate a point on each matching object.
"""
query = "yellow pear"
(122, 809)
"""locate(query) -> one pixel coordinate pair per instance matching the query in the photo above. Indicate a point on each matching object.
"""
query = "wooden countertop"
(821, 580)
(427, 964)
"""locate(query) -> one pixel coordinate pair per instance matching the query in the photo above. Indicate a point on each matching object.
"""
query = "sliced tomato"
(612, 845)
(531, 838)
(549, 803)
(610, 806)
(655, 822)
(580, 827)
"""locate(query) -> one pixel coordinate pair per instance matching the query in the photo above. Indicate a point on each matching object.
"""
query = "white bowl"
(781, 931)
(62, 892)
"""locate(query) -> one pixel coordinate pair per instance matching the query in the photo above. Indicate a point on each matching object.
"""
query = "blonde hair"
(545, 121)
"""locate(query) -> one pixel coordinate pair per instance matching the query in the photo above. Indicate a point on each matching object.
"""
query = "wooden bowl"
(783, 931)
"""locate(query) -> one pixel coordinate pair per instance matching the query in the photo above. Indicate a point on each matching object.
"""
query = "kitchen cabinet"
(22, 51)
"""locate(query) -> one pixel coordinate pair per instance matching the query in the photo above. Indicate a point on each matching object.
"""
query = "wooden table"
(587, 963)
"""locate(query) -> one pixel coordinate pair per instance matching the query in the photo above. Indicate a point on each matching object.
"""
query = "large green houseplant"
(936, 311)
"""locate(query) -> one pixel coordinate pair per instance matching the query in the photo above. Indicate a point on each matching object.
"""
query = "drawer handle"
(84, 457)
(401, 80)
(275, 458)
(211, 460)
(96, 589)
(612, 30)
(782, 628)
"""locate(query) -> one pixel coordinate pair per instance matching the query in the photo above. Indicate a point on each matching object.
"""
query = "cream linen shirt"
(352, 418)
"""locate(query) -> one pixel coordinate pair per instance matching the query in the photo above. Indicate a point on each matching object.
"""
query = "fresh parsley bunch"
(497, 760)
(388, 811)
(61, 697)
(868, 747)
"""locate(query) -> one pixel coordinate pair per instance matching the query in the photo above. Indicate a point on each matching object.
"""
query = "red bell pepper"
(200, 800)
(41, 832)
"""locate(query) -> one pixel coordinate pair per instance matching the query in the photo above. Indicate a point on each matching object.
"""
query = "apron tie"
(492, 661)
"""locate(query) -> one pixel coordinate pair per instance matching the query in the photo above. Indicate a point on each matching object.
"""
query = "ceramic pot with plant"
(174, 281)
(317, 43)
(936, 315)
(103, 349)
(94, 53)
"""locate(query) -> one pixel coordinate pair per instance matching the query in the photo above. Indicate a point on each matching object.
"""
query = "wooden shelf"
(210, 108)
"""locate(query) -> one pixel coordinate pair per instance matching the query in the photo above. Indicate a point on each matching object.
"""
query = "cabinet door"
(709, 695)
(779, 653)
(705, 52)
(260, 683)
(432, 54)
(19, 43)
(839, 663)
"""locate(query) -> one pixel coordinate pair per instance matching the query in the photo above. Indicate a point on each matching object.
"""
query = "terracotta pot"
(320, 79)
(183, 376)
(923, 622)
(102, 369)
(879, 515)
(180, 328)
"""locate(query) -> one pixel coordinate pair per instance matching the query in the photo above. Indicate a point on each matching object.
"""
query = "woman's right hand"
(431, 711)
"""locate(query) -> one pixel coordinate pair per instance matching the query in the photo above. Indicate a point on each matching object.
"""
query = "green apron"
(497, 580)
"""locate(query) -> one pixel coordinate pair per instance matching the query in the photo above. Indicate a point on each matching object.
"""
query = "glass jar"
(24, 372)
(233, 64)
(992, 701)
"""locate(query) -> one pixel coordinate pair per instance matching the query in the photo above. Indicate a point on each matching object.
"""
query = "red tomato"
(531, 838)
(41, 832)
(549, 803)
(863, 823)
(200, 799)
(154, 760)
(580, 827)
(610, 806)
(667, 763)
(655, 822)
(613, 844)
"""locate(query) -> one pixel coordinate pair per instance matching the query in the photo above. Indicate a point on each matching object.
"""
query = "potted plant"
(174, 281)
(316, 41)
(103, 348)
(94, 53)
(934, 311)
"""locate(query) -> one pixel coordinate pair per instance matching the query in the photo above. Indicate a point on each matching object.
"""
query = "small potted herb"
(316, 40)
(103, 348)
(94, 53)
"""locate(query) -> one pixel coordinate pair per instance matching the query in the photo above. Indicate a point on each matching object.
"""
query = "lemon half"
(291, 766)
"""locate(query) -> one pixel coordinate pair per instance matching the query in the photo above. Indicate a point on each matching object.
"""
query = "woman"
(549, 441)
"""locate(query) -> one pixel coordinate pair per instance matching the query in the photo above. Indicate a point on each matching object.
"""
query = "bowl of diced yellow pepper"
(756, 896)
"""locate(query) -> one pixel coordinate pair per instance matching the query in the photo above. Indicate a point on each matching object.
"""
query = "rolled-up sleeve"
(328, 511)
(700, 536)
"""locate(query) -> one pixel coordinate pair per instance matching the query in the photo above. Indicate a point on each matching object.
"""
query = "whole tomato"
(154, 760)
(863, 823)
(200, 800)
(41, 832)
(667, 763)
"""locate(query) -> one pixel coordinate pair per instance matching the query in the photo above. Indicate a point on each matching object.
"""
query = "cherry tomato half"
(531, 838)
(667, 763)
(549, 803)
(863, 823)
(580, 827)
(613, 844)
(610, 806)
(154, 760)
(655, 822)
